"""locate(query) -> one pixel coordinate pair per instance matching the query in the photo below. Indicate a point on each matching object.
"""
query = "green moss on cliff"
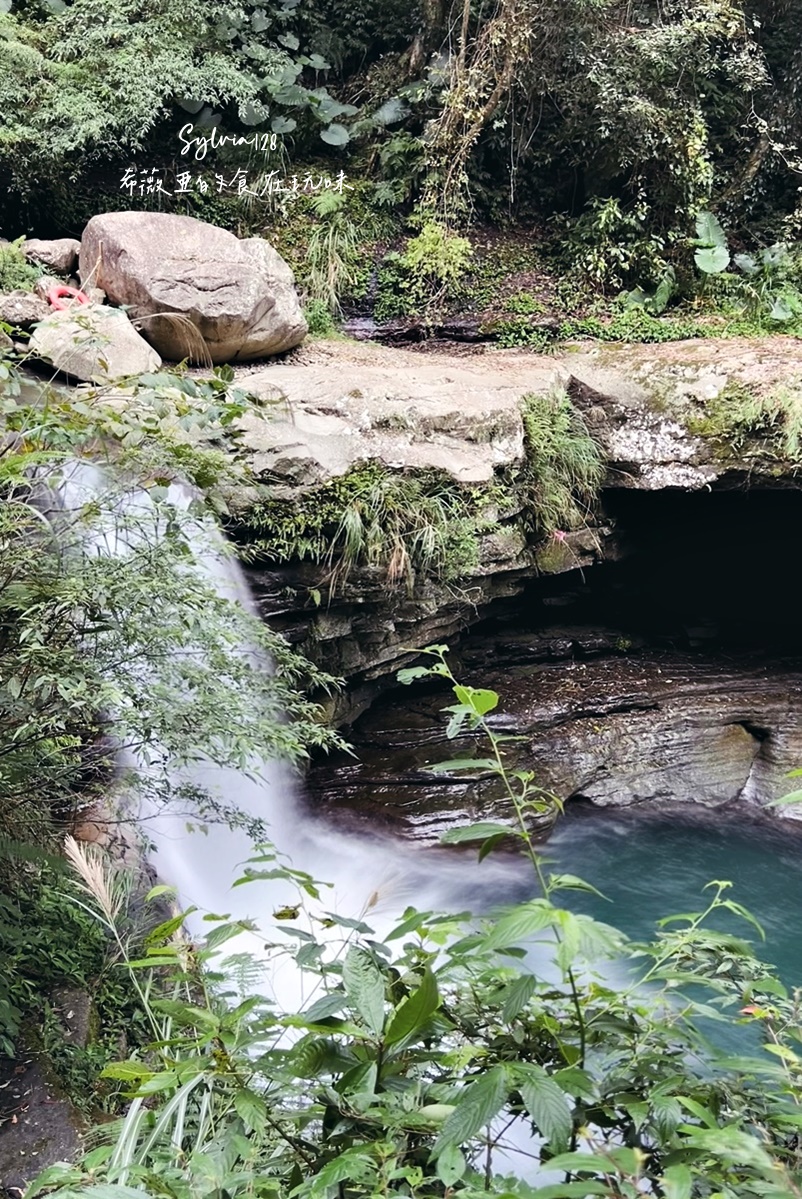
(742, 422)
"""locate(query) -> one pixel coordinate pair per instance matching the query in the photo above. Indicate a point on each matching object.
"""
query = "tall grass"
(564, 465)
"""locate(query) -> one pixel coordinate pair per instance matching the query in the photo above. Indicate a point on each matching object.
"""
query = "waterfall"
(370, 877)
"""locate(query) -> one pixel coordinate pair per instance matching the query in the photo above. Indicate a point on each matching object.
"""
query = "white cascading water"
(371, 878)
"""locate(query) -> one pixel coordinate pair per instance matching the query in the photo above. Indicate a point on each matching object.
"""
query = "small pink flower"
(559, 535)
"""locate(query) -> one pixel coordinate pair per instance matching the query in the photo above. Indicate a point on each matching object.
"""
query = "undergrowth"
(564, 466)
(769, 422)
(404, 525)
(16, 273)
(452, 1056)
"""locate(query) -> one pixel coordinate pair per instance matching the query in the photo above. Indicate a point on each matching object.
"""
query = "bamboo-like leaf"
(477, 832)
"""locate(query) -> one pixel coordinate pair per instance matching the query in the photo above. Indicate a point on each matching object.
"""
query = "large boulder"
(60, 255)
(93, 343)
(196, 291)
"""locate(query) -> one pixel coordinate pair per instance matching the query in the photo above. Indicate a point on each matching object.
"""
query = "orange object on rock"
(57, 294)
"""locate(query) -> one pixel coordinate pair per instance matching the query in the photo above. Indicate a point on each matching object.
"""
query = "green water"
(649, 868)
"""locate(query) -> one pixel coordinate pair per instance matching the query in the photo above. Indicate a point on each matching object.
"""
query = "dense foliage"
(439, 1057)
(624, 120)
(113, 641)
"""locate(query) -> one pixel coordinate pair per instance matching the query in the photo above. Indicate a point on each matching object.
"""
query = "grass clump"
(406, 525)
(564, 467)
(771, 421)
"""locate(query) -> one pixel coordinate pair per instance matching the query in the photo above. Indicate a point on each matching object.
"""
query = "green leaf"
(253, 114)
(453, 765)
(745, 263)
(709, 231)
(414, 1011)
(410, 673)
(570, 882)
(335, 135)
(126, 1071)
(251, 1109)
(289, 40)
(480, 1101)
(477, 700)
(546, 1103)
(712, 259)
(286, 125)
(785, 800)
(676, 1182)
(517, 995)
(477, 832)
(364, 986)
(520, 923)
(581, 1163)
(451, 1165)
(781, 310)
(322, 1009)
(158, 890)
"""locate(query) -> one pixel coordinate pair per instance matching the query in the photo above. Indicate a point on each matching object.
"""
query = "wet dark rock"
(648, 728)
(38, 1126)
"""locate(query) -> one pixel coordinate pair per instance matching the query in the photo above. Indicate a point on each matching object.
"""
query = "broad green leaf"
(126, 1071)
(520, 923)
(410, 673)
(455, 764)
(569, 1190)
(476, 699)
(111, 1190)
(335, 135)
(546, 1103)
(480, 1101)
(354, 1165)
(712, 259)
(709, 230)
(286, 125)
(414, 1011)
(581, 1163)
(251, 1109)
(666, 1115)
(451, 1165)
(781, 310)
(745, 263)
(364, 987)
(322, 1009)
(676, 1182)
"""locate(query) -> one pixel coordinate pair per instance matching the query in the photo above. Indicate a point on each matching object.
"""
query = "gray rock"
(6, 343)
(60, 255)
(198, 291)
(22, 309)
(93, 343)
(43, 284)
